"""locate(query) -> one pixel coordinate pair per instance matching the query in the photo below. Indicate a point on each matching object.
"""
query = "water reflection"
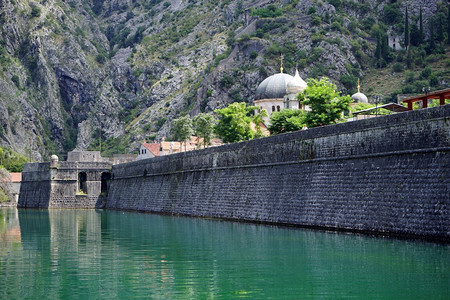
(109, 254)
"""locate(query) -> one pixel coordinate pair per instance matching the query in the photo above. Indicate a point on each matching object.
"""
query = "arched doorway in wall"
(106, 176)
(82, 183)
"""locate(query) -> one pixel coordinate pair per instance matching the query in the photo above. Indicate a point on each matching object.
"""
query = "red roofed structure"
(441, 95)
(149, 150)
(16, 177)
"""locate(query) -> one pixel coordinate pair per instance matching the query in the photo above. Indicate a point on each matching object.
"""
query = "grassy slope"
(385, 82)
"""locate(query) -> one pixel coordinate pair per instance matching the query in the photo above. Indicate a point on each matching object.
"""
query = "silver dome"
(273, 87)
(360, 97)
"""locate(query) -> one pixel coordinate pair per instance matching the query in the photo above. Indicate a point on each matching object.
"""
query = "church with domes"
(279, 92)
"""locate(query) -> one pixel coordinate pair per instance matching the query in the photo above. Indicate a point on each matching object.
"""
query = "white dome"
(360, 97)
(273, 87)
(296, 85)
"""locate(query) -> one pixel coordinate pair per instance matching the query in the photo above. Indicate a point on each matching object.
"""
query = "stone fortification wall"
(384, 175)
(35, 186)
(44, 186)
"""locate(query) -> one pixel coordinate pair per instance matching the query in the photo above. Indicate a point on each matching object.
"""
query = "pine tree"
(378, 51)
(421, 36)
(448, 24)
(406, 29)
(431, 41)
(440, 30)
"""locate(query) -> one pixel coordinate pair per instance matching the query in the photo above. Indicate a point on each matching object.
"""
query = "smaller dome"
(360, 97)
(54, 158)
(296, 85)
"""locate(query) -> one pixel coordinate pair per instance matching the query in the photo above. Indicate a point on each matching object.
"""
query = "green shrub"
(409, 77)
(336, 3)
(227, 81)
(433, 79)
(16, 81)
(349, 81)
(397, 67)
(271, 11)
(12, 161)
(100, 58)
(336, 26)
(392, 13)
(425, 74)
(316, 38)
(311, 10)
(97, 6)
(316, 21)
(35, 12)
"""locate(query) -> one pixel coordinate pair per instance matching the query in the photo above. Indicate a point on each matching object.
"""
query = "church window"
(273, 108)
(278, 108)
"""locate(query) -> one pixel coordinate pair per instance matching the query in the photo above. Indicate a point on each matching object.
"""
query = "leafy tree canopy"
(204, 127)
(182, 129)
(287, 120)
(235, 121)
(327, 106)
(4, 185)
(271, 11)
(11, 160)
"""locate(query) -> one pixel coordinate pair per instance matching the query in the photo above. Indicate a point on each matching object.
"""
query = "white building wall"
(144, 153)
(270, 105)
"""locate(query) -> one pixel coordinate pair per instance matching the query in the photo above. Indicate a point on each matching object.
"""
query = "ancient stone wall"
(387, 175)
(44, 186)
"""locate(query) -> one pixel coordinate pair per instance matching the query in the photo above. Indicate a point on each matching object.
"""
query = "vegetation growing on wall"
(4, 185)
(11, 160)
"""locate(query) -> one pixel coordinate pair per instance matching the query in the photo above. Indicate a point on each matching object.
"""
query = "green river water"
(90, 254)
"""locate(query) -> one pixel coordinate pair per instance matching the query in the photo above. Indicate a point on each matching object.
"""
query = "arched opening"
(273, 108)
(82, 182)
(278, 108)
(106, 176)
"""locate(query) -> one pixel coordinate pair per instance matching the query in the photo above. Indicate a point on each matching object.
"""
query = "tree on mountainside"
(421, 34)
(204, 127)
(406, 29)
(182, 130)
(448, 23)
(327, 106)
(11, 160)
(5, 194)
(440, 36)
(415, 39)
(383, 54)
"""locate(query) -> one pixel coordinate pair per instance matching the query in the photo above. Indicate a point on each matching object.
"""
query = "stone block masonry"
(386, 175)
(71, 184)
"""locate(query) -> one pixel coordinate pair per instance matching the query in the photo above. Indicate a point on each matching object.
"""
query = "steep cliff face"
(74, 71)
(50, 78)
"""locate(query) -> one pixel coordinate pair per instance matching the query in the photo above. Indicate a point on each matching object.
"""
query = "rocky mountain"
(77, 73)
